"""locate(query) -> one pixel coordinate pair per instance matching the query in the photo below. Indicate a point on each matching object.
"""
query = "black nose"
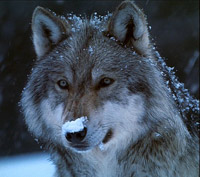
(76, 137)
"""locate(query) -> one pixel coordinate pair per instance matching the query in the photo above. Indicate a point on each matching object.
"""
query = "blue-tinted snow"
(98, 21)
(188, 106)
(29, 165)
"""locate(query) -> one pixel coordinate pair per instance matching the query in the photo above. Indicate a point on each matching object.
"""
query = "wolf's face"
(87, 73)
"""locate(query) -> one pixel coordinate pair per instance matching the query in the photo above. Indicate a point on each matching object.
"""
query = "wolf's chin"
(80, 148)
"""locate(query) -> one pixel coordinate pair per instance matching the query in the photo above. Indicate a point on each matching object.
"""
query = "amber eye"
(62, 84)
(105, 82)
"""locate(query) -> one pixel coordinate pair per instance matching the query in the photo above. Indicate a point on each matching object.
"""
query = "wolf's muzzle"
(76, 137)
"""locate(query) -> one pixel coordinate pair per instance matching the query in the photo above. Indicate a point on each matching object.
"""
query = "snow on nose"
(75, 131)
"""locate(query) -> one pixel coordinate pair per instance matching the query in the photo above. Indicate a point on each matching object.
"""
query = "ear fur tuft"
(128, 25)
(48, 30)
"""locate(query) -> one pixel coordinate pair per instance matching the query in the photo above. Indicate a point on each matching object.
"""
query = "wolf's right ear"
(48, 30)
(128, 25)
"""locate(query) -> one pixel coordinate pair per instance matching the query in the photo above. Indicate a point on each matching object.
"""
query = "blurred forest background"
(173, 24)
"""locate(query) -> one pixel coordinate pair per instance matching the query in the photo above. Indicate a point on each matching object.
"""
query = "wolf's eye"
(105, 82)
(62, 84)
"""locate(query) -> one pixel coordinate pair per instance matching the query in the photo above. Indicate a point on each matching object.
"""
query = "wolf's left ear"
(48, 30)
(128, 25)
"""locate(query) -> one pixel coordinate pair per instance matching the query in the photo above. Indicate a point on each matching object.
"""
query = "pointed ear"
(48, 30)
(128, 25)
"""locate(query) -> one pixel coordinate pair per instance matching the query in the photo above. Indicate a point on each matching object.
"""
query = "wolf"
(105, 70)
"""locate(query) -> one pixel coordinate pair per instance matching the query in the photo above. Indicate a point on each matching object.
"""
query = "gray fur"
(148, 138)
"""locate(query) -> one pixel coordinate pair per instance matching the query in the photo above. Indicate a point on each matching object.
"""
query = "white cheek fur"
(53, 118)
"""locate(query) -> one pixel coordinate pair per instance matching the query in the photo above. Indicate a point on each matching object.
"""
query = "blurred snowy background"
(174, 26)
(26, 165)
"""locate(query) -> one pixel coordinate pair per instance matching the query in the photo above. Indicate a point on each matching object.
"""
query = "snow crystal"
(90, 50)
(149, 27)
(77, 22)
(74, 126)
(134, 53)
(73, 30)
(157, 135)
(101, 146)
(97, 21)
(112, 38)
(36, 140)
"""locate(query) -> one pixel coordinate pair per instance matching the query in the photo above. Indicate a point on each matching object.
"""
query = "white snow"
(90, 50)
(28, 165)
(187, 105)
(97, 21)
(74, 126)
(149, 27)
(101, 146)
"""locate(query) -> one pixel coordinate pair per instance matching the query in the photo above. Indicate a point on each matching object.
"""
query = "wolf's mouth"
(85, 147)
(81, 147)
(108, 136)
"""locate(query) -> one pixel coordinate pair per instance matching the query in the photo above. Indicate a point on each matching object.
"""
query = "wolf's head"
(97, 69)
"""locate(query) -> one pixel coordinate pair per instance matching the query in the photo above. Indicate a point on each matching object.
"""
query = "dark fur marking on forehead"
(88, 36)
(84, 36)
